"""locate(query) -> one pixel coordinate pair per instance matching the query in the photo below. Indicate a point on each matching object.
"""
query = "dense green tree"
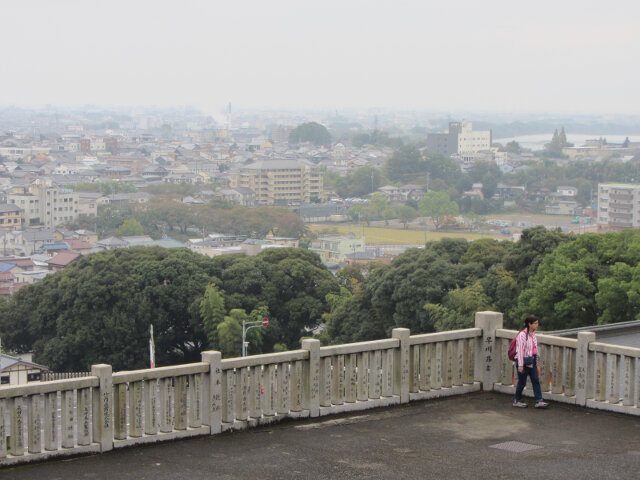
(212, 311)
(394, 295)
(131, 227)
(99, 309)
(437, 205)
(310, 132)
(406, 214)
(404, 164)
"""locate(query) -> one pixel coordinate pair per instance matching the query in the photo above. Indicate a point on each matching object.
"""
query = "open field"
(394, 236)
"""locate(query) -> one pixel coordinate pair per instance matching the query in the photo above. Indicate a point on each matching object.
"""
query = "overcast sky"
(560, 56)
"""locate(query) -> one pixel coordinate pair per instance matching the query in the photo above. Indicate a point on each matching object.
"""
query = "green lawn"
(392, 236)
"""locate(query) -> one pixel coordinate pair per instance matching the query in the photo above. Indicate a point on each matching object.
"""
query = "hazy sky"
(560, 56)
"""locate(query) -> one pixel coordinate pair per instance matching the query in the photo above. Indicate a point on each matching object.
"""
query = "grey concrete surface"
(449, 438)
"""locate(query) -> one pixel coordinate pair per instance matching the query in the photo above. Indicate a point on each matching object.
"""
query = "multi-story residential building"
(44, 204)
(280, 182)
(10, 216)
(618, 206)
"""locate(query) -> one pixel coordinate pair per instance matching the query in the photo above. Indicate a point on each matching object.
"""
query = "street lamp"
(246, 326)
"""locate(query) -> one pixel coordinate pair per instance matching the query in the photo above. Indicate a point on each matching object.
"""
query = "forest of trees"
(163, 216)
(99, 309)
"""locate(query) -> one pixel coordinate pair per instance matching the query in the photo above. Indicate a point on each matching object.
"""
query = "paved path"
(439, 439)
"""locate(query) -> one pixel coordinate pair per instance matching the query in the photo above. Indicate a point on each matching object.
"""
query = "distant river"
(536, 142)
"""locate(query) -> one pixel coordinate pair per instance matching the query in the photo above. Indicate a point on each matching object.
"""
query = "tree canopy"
(99, 309)
(310, 132)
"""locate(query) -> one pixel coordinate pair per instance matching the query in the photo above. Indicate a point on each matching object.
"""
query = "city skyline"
(495, 57)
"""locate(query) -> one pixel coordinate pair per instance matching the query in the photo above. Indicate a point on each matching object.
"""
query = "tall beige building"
(280, 182)
(44, 204)
(618, 206)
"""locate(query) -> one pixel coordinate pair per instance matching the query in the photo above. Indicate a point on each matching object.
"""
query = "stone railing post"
(584, 367)
(311, 377)
(488, 356)
(103, 407)
(212, 412)
(401, 364)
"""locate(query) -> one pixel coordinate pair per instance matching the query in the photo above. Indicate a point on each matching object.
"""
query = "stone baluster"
(35, 421)
(270, 391)
(628, 379)
(51, 421)
(469, 355)
(362, 377)
(256, 399)
(180, 403)
(556, 370)
(458, 362)
(119, 412)
(612, 378)
(414, 368)
(569, 371)
(448, 370)
(401, 364)
(228, 393)
(374, 374)
(601, 377)
(16, 408)
(135, 409)
(437, 371)
(325, 382)
(84, 416)
(166, 402)
(283, 393)
(195, 400)
(296, 386)
(425, 367)
(350, 378)
(337, 380)
(150, 395)
(387, 372)
(544, 354)
(67, 411)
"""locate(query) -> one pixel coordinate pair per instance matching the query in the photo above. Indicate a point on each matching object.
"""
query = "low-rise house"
(62, 260)
(80, 246)
(19, 370)
(243, 196)
(87, 236)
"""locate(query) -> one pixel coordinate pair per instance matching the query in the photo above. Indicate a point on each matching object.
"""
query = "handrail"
(445, 336)
(358, 347)
(160, 372)
(48, 387)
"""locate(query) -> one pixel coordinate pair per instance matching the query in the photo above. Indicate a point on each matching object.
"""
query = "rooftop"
(470, 436)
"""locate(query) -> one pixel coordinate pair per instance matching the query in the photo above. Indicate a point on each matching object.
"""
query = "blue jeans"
(535, 382)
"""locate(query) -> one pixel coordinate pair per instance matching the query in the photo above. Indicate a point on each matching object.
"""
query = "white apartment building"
(618, 206)
(471, 141)
(44, 204)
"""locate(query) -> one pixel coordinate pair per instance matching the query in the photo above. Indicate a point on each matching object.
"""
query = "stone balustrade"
(579, 371)
(109, 410)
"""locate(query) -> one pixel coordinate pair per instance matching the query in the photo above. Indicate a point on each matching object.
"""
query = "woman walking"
(527, 364)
